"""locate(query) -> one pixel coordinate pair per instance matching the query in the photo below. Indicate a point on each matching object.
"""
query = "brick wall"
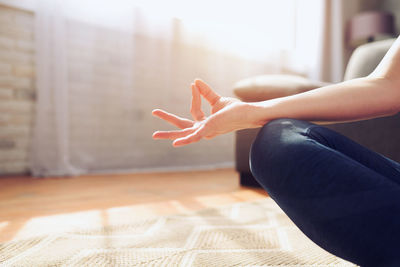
(17, 91)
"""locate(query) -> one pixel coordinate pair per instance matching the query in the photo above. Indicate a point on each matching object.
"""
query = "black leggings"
(343, 196)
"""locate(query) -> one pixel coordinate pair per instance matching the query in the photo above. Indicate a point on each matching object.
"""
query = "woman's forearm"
(353, 100)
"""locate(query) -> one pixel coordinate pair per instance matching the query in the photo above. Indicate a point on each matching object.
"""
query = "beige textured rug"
(245, 234)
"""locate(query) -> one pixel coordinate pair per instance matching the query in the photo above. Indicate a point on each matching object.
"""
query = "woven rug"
(245, 234)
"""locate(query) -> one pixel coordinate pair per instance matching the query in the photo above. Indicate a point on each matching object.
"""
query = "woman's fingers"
(192, 131)
(173, 134)
(191, 138)
(195, 109)
(173, 119)
(206, 91)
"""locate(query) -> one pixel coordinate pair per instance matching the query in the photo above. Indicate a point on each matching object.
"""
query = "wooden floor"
(38, 206)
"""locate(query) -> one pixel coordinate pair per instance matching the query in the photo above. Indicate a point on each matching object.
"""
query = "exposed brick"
(22, 83)
(6, 93)
(17, 94)
(6, 80)
(13, 155)
(5, 69)
(25, 94)
(18, 119)
(22, 142)
(4, 118)
(16, 57)
(12, 131)
(16, 32)
(16, 82)
(24, 70)
(7, 16)
(7, 144)
(25, 20)
(6, 42)
(16, 107)
(14, 167)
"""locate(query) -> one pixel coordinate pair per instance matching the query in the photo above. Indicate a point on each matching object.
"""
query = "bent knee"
(277, 128)
(275, 138)
(275, 149)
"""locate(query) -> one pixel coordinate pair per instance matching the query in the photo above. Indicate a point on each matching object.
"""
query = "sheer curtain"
(102, 66)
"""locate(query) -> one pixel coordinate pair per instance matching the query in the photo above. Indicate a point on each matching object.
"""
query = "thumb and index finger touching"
(200, 88)
(206, 91)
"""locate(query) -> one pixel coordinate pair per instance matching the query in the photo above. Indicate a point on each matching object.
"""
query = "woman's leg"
(343, 196)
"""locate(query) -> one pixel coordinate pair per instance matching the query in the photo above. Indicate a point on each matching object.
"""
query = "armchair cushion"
(264, 87)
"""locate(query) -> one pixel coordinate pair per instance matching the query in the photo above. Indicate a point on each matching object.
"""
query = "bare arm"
(377, 95)
(352, 100)
(374, 96)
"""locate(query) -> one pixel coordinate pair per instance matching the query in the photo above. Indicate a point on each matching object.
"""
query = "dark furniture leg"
(247, 179)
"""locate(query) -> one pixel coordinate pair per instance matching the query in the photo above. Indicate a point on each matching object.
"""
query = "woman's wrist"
(260, 113)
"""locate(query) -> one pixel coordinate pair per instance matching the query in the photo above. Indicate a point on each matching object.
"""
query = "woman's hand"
(227, 114)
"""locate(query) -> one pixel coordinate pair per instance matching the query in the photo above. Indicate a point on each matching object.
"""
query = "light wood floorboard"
(34, 206)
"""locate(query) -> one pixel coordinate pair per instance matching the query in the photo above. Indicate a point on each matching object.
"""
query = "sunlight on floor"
(79, 221)
(3, 225)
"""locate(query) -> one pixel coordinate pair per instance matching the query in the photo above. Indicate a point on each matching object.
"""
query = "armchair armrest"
(264, 87)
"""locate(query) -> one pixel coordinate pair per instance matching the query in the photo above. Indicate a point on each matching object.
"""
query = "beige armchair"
(381, 134)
